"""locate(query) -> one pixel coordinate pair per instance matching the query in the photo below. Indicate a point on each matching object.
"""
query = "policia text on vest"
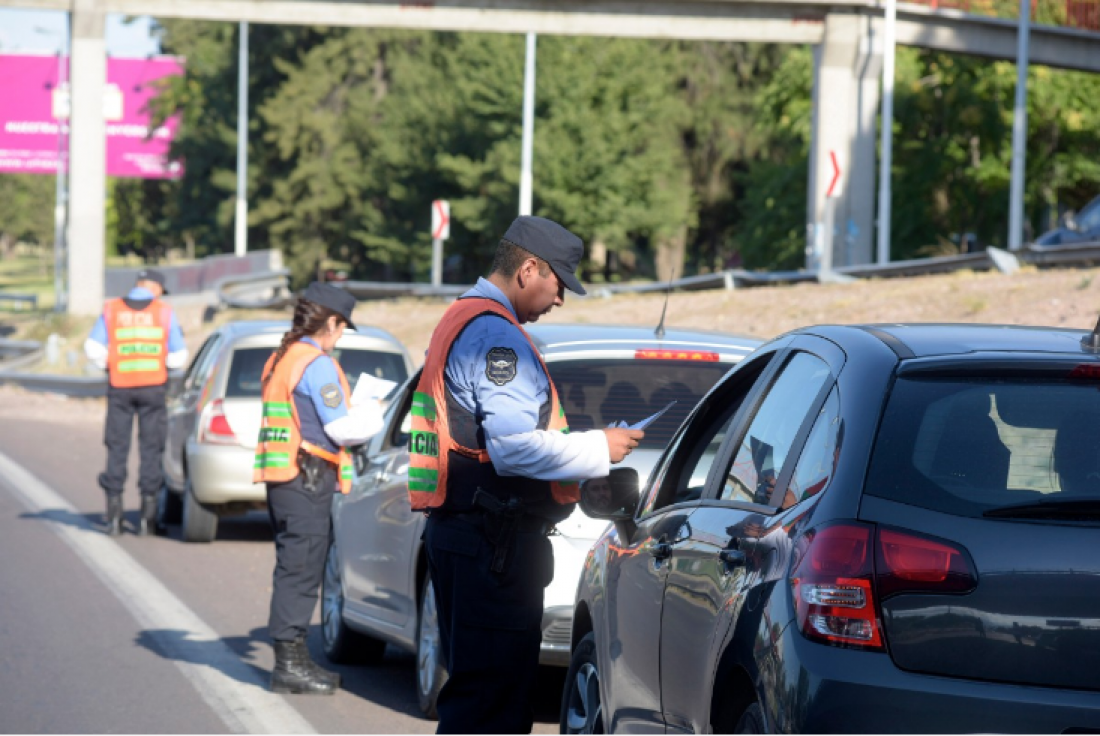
(136, 340)
(302, 457)
(494, 466)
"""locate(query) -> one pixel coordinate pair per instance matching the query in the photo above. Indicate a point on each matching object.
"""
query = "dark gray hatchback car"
(898, 531)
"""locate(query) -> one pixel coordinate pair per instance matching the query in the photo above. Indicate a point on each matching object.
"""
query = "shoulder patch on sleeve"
(500, 365)
(331, 395)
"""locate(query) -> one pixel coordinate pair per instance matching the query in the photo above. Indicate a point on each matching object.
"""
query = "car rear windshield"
(596, 393)
(964, 446)
(248, 365)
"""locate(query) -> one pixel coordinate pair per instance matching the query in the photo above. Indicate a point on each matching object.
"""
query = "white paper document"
(369, 388)
(642, 424)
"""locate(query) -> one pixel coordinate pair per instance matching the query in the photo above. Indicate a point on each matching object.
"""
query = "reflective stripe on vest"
(137, 343)
(280, 438)
(430, 440)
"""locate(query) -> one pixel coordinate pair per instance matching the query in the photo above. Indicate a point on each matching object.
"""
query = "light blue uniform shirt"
(507, 408)
(138, 293)
(319, 374)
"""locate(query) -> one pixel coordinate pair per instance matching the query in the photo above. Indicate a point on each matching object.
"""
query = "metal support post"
(887, 152)
(437, 261)
(1019, 132)
(240, 240)
(526, 177)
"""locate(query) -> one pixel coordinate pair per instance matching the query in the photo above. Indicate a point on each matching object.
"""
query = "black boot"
(114, 516)
(295, 673)
(303, 651)
(148, 523)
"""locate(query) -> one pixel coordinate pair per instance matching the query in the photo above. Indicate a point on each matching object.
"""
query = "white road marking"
(230, 687)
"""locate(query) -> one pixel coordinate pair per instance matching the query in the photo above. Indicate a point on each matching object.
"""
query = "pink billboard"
(32, 106)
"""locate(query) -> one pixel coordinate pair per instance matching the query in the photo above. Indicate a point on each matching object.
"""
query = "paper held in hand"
(370, 388)
(642, 424)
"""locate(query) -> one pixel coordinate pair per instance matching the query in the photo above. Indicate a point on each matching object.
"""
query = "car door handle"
(661, 550)
(732, 558)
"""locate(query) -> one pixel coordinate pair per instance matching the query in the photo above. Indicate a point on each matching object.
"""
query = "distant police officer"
(307, 423)
(137, 340)
(493, 465)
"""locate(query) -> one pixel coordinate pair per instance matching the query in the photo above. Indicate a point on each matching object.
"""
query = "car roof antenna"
(659, 333)
(1091, 341)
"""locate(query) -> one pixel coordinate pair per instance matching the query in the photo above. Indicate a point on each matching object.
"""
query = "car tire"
(200, 523)
(430, 672)
(169, 507)
(341, 644)
(581, 701)
(752, 720)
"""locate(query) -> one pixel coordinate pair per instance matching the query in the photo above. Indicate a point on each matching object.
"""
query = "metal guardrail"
(385, 290)
(16, 354)
(266, 290)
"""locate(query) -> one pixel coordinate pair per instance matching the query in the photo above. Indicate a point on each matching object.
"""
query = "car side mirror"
(613, 498)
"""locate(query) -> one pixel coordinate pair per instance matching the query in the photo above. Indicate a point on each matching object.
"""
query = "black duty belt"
(500, 521)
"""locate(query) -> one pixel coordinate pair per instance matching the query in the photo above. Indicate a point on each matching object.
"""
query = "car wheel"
(169, 507)
(752, 720)
(342, 645)
(200, 523)
(430, 672)
(581, 707)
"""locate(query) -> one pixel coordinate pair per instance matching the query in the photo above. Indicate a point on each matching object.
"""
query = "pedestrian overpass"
(846, 35)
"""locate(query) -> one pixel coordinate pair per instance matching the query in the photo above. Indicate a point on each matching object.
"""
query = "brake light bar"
(1086, 370)
(215, 429)
(676, 355)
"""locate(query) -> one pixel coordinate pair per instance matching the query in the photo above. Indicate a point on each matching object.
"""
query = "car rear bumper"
(223, 474)
(821, 689)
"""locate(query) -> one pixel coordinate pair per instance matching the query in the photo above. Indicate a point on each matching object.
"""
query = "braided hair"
(309, 319)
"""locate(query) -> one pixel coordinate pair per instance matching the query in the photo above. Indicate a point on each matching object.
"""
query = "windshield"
(964, 446)
(598, 392)
(248, 364)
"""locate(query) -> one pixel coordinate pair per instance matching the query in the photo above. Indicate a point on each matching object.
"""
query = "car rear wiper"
(1068, 509)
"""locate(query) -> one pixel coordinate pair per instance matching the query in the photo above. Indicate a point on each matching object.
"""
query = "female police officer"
(306, 425)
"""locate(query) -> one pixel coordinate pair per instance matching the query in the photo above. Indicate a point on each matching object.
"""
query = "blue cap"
(332, 297)
(552, 243)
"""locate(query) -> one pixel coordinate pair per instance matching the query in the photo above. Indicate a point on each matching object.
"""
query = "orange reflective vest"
(433, 449)
(137, 343)
(280, 439)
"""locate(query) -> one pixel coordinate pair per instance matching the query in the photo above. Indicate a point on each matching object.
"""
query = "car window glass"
(764, 447)
(1089, 219)
(194, 370)
(682, 474)
(598, 392)
(247, 367)
(962, 446)
(819, 456)
(401, 419)
(204, 363)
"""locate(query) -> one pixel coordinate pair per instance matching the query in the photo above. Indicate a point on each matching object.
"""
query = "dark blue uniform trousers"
(490, 625)
(302, 524)
(148, 403)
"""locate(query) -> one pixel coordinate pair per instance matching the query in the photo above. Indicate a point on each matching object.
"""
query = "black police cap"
(552, 243)
(151, 274)
(336, 299)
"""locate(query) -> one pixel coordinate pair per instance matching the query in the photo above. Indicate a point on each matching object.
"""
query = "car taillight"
(832, 587)
(215, 429)
(908, 563)
(845, 571)
(675, 355)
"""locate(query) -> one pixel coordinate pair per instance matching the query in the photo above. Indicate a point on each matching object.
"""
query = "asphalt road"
(151, 635)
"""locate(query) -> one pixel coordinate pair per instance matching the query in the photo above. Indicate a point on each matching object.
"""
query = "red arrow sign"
(441, 219)
(836, 174)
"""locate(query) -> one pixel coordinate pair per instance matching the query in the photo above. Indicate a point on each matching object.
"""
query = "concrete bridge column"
(87, 158)
(847, 76)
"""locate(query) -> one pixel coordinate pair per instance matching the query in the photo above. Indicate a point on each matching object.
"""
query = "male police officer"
(136, 340)
(492, 463)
